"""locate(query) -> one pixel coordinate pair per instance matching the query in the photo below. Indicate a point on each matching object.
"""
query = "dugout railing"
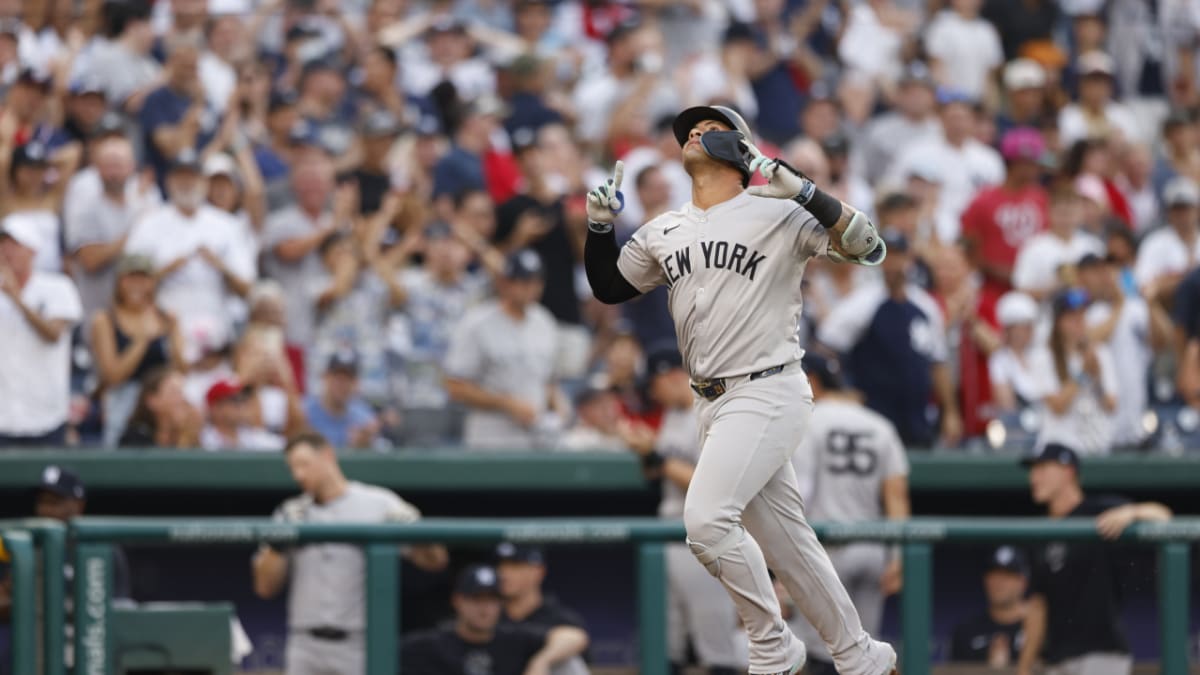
(93, 539)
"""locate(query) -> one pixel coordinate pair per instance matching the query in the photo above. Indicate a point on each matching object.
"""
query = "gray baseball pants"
(1094, 664)
(307, 655)
(697, 606)
(743, 512)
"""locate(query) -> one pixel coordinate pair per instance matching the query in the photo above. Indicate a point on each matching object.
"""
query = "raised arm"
(600, 251)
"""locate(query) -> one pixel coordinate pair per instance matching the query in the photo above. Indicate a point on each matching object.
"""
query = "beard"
(189, 199)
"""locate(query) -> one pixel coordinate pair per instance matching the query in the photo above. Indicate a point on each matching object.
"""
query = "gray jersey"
(328, 581)
(678, 437)
(734, 274)
(503, 356)
(847, 453)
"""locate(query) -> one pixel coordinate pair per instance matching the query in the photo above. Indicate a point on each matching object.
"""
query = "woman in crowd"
(129, 340)
(1014, 384)
(163, 417)
(1077, 382)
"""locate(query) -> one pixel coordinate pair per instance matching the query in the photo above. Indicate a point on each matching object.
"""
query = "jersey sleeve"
(896, 460)
(396, 510)
(464, 356)
(812, 239)
(638, 265)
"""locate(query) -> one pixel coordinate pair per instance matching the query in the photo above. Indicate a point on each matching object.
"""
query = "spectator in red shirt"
(1004, 217)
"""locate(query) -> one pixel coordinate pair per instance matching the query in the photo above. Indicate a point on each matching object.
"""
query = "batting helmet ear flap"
(729, 147)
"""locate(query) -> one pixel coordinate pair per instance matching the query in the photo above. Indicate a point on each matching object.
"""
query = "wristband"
(652, 460)
(600, 228)
(824, 207)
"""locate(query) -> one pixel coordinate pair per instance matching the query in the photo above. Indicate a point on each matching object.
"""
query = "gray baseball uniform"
(846, 455)
(328, 581)
(502, 355)
(697, 605)
(734, 273)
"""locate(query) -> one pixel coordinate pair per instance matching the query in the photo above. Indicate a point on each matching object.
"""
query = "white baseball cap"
(1181, 191)
(22, 230)
(220, 164)
(1094, 62)
(1024, 74)
(1016, 308)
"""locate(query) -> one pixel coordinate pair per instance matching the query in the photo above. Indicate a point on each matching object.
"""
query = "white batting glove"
(606, 201)
(783, 182)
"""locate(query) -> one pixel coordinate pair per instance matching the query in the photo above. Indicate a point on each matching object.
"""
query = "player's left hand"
(606, 201)
(893, 578)
(1113, 522)
(783, 181)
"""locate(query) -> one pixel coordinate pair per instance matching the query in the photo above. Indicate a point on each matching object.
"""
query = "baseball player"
(852, 467)
(697, 605)
(732, 260)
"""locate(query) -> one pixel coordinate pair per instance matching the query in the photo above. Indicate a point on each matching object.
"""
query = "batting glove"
(783, 182)
(606, 201)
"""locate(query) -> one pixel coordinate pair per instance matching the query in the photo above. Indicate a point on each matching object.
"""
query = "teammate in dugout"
(732, 260)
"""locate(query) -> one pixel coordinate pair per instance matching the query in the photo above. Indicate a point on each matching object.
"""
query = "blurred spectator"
(964, 49)
(1186, 337)
(521, 570)
(914, 118)
(1169, 252)
(38, 310)
(326, 111)
(1180, 149)
(669, 188)
(632, 88)
(235, 186)
(435, 296)
(129, 339)
(844, 183)
(1041, 259)
(1136, 185)
(120, 60)
(597, 420)
(500, 363)
(264, 362)
(1025, 84)
(698, 612)
(1131, 328)
(1014, 383)
(462, 167)
(231, 421)
(893, 336)
(30, 198)
(1077, 381)
(1122, 251)
(1003, 219)
(99, 218)
(326, 608)
(996, 635)
(1021, 24)
(374, 175)
(962, 164)
(854, 469)
(293, 234)
(336, 410)
(477, 636)
(162, 418)
(874, 36)
(195, 250)
(176, 116)
(648, 313)
(1096, 115)
(1092, 163)
(1074, 619)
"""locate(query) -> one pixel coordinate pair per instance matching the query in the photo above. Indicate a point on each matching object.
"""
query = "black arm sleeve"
(600, 254)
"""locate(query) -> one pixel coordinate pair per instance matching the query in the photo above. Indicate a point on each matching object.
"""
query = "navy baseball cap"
(1056, 453)
(824, 369)
(477, 580)
(280, 100)
(62, 482)
(32, 153)
(507, 551)
(1008, 559)
(1070, 300)
(524, 264)
(342, 361)
(187, 160)
(111, 123)
(895, 240)
(663, 361)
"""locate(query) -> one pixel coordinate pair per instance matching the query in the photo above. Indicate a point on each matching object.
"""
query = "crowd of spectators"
(222, 221)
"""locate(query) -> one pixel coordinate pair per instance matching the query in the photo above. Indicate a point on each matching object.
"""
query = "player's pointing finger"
(618, 174)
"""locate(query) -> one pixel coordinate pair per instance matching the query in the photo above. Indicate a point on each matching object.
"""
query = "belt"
(712, 389)
(328, 633)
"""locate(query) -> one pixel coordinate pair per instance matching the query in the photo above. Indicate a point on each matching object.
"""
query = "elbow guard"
(861, 242)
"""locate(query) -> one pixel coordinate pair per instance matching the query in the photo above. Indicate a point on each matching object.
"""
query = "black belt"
(711, 389)
(328, 633)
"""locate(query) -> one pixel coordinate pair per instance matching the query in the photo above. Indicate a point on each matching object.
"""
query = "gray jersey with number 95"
(734, 274)
(846, 454)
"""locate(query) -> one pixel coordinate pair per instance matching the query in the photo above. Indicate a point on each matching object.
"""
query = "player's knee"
(704, 523)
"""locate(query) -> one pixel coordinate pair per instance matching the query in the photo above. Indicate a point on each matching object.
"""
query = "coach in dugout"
(327, 595)
(476, 642)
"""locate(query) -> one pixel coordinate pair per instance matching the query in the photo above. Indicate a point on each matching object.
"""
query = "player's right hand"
(783, 181)
(606, 201)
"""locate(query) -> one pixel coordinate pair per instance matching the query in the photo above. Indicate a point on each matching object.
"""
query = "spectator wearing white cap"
(1040, 260)
(964, 49)
(37, 310)
(195, 248)
(1129, 327)
(1025, 85)
(29, 197)
(1169, 252)
(1096, 114)
(1014, 385)
(914, 117)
